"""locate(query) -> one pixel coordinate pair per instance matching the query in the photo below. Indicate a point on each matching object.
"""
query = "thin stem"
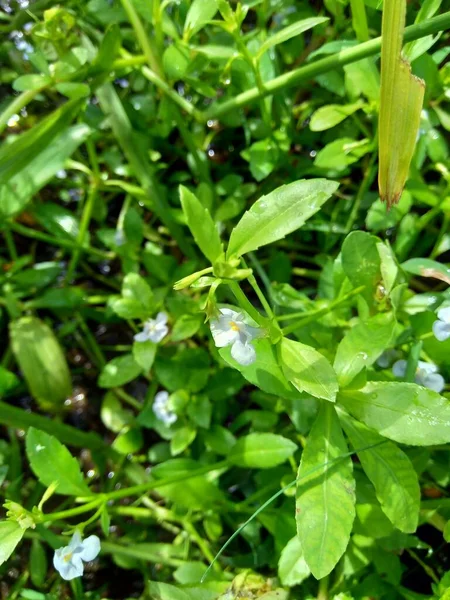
(16, 106)
(363, 189)
(84, 226)
(245, 303)
(10, 244)
(72, 512)
(330, 63)
(321, 311)
(62, 243)
(141, 34)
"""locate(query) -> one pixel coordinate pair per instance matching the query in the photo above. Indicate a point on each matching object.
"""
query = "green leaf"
(391, 473)
(341, 153)
(307, 370)
(42, 361)
(265, 372)
(144, 354)
(38, 563)
(261, 451)
(119, 371)
(186, 326)
(201, 225)
(279, 213)
(31, 82)
(51, 462)
(199, 13)
(58, 220)
(137, 298)
(404, 412)
(332, 114)
(361, 262)
(325, 507)
(10, 535)
(362, 345)
(72, 89)
(292, 567)
(113, 415)
(425, 267)
(290, 31)
(18, 155)
(182, 438)
(40, 168)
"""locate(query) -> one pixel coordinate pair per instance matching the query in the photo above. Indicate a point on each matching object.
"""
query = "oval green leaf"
(403, 412)
(51, 462)
(261, 451)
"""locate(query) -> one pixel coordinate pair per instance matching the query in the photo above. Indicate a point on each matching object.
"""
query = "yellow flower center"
(68, 557)
(234, 326)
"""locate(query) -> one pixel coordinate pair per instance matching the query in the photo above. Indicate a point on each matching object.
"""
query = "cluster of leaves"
(177, 158)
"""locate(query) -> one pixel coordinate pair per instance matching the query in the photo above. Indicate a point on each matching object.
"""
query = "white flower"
(154, 329)
(386, 359)
(68, 561)
(230, 330)
(162, 410)
(441, 327)
(426, 374)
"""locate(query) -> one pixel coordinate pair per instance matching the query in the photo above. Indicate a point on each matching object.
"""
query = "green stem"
(141, 34)
(62, 243)
(322, 593)
(359, 20)
(84, 226)
(362, 191)
(16, 106)
(330, 63)
(322, 311)
(245, 303)
(10, 244)
(73, 512)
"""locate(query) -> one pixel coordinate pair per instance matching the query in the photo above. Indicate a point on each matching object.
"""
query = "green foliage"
(202, 176)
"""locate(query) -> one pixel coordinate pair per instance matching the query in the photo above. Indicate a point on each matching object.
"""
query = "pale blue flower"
(161, 409)
(441, 327)
(231, 330)
(386, 359)
(68, 561)
(426, 374)
(154, 329)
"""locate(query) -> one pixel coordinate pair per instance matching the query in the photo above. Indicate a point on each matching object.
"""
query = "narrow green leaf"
(292, 567)
(425, 267)
(31, 82)
(199, 13)
(391, 473)
(10, 535)
(325, 507)
(328, 116)
(16, 156)
(279, 213)
(307, 370)
(403, 412)
(289, 32)
(362, 345)
(38, 563)
(51, 462)
(40, 168)
(201, 225)
(261, 451)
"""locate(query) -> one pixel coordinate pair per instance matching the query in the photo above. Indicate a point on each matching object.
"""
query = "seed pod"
(41, 361)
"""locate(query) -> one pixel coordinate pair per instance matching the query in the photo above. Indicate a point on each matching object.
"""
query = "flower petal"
(427, 367)
(161, 397)
(444, 314)
(441, 330)
(91, 548)
(143, 336)
(434, 382)
(231, 314)
(243, 353)
(161, 318)
(399, 368)
(158, 333)
(75, 542)
(68, 569)
(223, 337)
